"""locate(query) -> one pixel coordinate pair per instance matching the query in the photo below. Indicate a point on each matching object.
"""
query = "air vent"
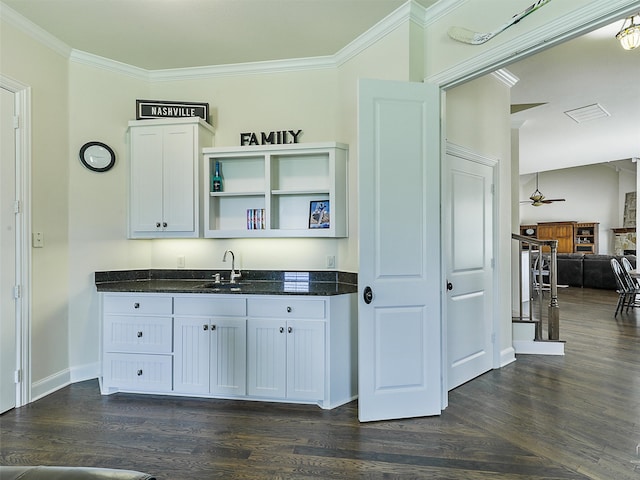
(590, 112)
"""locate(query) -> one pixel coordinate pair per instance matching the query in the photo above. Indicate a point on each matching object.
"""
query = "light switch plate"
(38, 240)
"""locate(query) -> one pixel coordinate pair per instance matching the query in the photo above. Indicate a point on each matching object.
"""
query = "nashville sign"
(270, 138)
(161, 109)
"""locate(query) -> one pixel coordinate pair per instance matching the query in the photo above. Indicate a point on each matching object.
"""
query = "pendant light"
(629, 35)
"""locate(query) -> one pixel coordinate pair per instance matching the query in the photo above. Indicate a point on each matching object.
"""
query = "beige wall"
(47, 74)
(477, 118)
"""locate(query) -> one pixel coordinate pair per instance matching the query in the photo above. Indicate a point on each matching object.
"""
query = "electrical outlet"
(181, 261)
(38, 240)
(331, 261)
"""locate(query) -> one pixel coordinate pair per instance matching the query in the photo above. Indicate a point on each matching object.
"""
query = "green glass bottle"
(216, 179)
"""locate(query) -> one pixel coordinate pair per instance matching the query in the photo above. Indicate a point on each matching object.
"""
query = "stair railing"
(534, 245)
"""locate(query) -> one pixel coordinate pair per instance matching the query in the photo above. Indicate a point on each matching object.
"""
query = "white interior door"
(399, 329)
(8, 343)
(468, 245)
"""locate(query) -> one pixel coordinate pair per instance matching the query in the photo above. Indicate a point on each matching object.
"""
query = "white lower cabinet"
(280, 348)
(210, 345)
(286, 356)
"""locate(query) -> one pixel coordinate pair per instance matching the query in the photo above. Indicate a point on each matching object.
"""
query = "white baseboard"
(85, 372)
(50, 384)
(61, 379)
(529, 347)
(507, 356)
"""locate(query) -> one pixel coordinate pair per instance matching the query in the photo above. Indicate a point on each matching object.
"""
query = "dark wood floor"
(571, 417)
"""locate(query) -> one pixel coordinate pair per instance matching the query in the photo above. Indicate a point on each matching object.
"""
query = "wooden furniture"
(561, 231)
(164, 195)
(290, 348)
(573, 237)
(267, 190)
(586, 238)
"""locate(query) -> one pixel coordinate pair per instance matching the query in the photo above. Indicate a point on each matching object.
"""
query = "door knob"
(367, 295)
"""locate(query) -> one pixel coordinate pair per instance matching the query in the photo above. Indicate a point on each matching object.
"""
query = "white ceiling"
(162, 34)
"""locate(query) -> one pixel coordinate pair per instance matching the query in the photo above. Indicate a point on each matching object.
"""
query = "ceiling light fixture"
(629, 35)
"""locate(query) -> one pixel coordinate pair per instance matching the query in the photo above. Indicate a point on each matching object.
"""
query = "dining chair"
(625, 288)
(626, 264)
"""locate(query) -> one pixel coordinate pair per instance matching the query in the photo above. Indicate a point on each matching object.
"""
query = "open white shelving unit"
(279, 182)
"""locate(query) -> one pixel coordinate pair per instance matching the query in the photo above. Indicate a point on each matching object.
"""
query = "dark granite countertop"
(252, 282)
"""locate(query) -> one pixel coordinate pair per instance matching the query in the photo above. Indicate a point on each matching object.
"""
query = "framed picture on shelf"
(319, 214)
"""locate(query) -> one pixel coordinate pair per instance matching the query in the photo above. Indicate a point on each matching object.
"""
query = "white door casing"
(468, 206)
(8, 257)
(399, 331)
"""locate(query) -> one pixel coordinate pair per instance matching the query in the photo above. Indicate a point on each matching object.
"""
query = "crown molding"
(572, 24)
(84, 58)
(380, 30)
(505, 76)
(250, 68)
(16, 20)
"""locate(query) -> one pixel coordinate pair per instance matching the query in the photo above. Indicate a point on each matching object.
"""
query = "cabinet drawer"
(138, 372)
(138, 304)
(124, 333)
(285, 308)
(211, 306)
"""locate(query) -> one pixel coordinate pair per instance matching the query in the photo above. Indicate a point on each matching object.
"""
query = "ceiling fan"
(537, 198)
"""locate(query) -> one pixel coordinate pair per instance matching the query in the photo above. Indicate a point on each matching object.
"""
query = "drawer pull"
(139, 334)
(205, 327)
(288, 309)
(140, 372)
(136, 305)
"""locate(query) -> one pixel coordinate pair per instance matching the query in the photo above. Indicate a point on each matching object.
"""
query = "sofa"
(588, 271)
(69, 473)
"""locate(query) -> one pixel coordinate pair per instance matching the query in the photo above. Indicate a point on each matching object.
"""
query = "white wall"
(592, 194)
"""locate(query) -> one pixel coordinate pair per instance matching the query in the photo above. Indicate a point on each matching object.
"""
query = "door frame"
(556, 32)
(22, 95)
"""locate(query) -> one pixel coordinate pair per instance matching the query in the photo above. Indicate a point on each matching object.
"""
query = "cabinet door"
(191, 347)
(266, 356)
(228, 356)
(145, 196)
(179, 180)
(305, 359)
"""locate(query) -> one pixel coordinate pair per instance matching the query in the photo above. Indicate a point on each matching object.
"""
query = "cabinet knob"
(139, 334)
(157, 224)
(281, 329)
(205, 327)
(289, 309)
(164, 224)
(136, 305)
(289, 329)
(213, 327)
(140, 372)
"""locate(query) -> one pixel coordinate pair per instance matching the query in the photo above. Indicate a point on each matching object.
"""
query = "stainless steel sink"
(225, 286)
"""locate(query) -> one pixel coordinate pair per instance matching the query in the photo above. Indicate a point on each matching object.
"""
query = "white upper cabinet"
(293, 190)
(164, 159)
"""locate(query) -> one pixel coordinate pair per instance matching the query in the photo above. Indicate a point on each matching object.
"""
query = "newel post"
(554, 308)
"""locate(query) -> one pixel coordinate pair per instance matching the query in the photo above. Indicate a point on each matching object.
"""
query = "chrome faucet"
(234, 274)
